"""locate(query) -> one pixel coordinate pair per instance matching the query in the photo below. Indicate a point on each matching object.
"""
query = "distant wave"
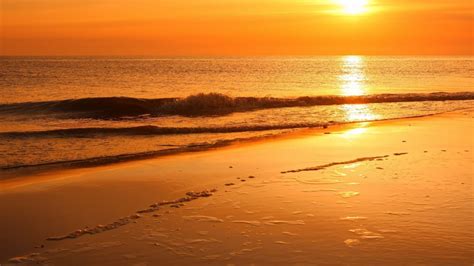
(212, 104)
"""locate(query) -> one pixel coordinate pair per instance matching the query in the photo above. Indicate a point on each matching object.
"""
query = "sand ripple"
(203, 218)
(275, 222)
(254, 223)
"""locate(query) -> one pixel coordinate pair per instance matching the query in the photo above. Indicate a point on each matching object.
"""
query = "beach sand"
(383, 193)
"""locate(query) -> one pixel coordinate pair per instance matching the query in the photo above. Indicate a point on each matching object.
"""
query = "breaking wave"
(212, 104)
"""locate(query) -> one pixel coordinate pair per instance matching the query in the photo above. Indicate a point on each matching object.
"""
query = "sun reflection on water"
(353, 80)
(359, 112)
(353, 76)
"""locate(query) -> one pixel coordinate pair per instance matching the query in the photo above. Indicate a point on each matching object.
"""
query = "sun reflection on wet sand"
(355, 131)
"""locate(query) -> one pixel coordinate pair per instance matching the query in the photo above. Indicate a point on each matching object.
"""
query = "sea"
(85, 111)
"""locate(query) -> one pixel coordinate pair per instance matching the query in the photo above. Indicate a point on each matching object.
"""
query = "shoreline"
(333, 173)
(15, 172)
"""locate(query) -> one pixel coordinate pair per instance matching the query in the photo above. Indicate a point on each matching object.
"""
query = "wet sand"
(391, 193)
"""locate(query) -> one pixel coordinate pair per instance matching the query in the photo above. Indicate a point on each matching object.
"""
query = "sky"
(235, 27)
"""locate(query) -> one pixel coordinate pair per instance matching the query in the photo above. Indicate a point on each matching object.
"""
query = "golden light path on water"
(353, 83)
(353, 76)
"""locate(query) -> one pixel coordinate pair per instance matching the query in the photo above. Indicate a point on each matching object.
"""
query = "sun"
(353, 7)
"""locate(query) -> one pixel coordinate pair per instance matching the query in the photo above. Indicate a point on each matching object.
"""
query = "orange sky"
(234, 27)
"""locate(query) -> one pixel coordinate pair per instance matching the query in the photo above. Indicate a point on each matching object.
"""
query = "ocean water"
(62, 111)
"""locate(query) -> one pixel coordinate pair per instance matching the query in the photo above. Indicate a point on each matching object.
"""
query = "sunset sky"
(236, 27)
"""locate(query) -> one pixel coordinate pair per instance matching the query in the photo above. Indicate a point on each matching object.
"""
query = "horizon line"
(240, 56)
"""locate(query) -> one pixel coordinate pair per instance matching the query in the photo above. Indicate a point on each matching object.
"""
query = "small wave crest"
(151, 130)
(105, 160)
(212, 104)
